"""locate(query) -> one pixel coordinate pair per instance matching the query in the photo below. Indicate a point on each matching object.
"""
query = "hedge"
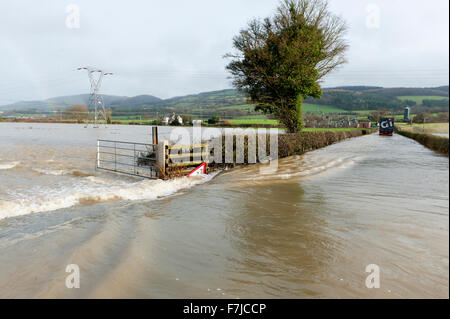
(436, 143)
(296, 143)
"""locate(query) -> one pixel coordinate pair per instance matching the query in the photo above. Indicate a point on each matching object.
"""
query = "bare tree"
(77, 112)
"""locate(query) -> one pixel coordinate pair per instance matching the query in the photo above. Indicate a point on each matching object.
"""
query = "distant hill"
(442, 88)
(438, 91)
(62, 102)
(203, 100)
(133, 102)
(366, 98)
(225, 102)
(354, 88)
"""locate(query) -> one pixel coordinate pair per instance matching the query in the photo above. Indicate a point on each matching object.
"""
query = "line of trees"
(431, 118)
(353, 101)
(80, 113)
(76, 112)
(441, 103)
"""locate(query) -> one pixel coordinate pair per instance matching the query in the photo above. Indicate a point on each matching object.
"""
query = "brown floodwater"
(307, 230)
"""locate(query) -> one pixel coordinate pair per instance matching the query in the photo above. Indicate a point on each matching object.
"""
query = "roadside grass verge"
(440, 128)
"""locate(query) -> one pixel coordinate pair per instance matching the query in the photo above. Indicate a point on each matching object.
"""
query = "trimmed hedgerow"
(294, 143)
(436, 143)
(300, 143)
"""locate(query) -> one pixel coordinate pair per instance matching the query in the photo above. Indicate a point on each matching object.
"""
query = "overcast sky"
(170, 48)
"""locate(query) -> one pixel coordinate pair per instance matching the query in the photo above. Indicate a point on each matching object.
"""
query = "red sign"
(201, 170)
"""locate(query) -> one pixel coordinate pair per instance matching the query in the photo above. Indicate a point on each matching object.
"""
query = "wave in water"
(55, 172)
(300, 169)
(93, 190)
(337, 163)
(60, 172)
(9, 165)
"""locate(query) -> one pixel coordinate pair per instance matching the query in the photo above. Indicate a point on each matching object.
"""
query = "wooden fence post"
(206, 159)
(154, 137)
(161, 156)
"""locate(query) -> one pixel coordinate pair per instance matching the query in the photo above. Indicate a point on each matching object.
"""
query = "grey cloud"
(169, 48)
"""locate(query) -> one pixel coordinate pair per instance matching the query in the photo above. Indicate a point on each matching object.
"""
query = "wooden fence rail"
(183, 158)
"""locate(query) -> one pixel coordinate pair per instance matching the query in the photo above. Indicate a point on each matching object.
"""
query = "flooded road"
(307, 231)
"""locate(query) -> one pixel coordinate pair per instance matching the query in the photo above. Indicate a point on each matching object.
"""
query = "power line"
(95, 99)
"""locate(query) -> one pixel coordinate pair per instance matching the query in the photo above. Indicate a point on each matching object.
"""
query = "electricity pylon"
(95, 99)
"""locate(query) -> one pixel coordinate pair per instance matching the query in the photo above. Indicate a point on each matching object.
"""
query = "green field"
(253, 121)
(419, 99)
(243, 107)
(275, 122)
(339, 129)
(126, 117)
(307, 108)
(316, 108)
(364, 112)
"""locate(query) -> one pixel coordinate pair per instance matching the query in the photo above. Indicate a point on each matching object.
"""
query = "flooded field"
(438, 129)
(306, 231)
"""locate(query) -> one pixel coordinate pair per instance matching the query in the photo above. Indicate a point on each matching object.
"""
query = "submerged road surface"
(307, 231)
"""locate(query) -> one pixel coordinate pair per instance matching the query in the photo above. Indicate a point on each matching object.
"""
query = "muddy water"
(307, 230)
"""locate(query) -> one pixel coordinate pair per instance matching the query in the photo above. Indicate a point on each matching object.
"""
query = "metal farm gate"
(136, 159)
